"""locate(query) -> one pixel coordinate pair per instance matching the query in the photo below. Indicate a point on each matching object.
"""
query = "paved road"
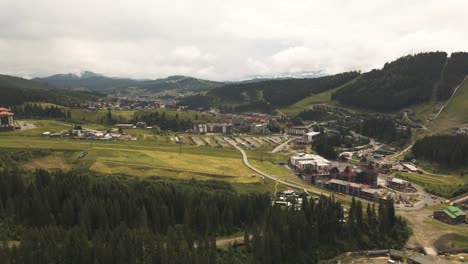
(304, 187)
(282, 145)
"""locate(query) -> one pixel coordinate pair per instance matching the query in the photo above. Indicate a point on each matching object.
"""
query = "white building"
(311, 161)
(310, 136)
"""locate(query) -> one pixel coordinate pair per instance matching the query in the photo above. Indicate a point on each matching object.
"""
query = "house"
(311, 161)
(368, 175)
(309, 137)
(6, 119)
(450, 215)
(297, 130)
(395, 183)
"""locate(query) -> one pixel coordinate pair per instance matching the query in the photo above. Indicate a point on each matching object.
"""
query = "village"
(362, 170)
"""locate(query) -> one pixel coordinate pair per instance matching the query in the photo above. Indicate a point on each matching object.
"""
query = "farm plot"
(250, 141)
(259, 142)
(210, 141)
(198, 141)
(230, 141)
(221, 142)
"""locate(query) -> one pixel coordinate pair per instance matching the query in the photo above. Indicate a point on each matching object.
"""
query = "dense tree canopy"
(274, 93)
(454, 72)
(444, 150)
(406, 81)
(77, 217)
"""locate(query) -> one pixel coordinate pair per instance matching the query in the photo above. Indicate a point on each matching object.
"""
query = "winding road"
(282, 145)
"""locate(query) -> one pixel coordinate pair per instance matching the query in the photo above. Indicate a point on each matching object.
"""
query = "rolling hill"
(404, 82)
(16, 91)
(455, 114)
(267, 95)
(96, 82)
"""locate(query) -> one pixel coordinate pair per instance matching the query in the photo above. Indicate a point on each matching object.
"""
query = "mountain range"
(96, 82)
(407, 81)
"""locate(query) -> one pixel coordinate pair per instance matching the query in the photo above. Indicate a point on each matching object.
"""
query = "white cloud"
(221, 40)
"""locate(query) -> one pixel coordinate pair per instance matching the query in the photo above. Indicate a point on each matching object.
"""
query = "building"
(199, 128)
(297, 130)
(309, 137)
(368, 175)
(410, 167)
(450, 215)
(222, 128)
(6, 119)
(310, 161)
(259, 128)
(395, 183)
(345, 187)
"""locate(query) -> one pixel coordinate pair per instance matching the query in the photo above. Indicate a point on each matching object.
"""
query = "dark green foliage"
(321, 231)
(450, 151)
(282, 92)
(99, 82)
(17, 91)
(406, 81)
(454, 72)
(326, 146)
(69, 200)
(163, 122)
(383, 129)
(31, 111)
(277, 93)
(315, 115)
(72, 218)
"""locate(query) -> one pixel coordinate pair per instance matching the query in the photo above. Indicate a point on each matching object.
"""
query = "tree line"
(445, 150)
(453, 74)
(401, 83)
(80, 217)
(384, 130)
(31, 111)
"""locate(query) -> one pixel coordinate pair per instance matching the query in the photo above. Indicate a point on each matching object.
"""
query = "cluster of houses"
(6, 119)
(361, 181)
(230, 128)
(87, 133)
(134, 103)
(288, 198)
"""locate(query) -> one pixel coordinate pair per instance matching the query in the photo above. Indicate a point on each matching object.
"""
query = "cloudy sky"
(220, 39)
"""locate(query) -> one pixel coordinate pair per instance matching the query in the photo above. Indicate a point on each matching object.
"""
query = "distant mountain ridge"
(99, 82)
(16, 91)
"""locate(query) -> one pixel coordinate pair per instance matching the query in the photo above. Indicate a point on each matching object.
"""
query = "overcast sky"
(221, 39)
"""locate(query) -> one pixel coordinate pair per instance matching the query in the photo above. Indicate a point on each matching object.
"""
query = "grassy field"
(155, 156)
(123, 116)
(306, 103)
(443, 184)
(455, 114)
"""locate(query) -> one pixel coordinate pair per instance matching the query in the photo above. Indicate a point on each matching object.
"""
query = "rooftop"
(453, 211)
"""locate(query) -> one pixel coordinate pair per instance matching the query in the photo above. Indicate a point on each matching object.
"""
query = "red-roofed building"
(6, 119)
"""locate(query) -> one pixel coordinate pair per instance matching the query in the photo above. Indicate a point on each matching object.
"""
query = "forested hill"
(16, 91)
(93, 81)
(401, 83)
(269, 94)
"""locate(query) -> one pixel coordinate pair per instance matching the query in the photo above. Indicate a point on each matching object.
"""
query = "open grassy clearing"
(137, 158)
(306, 103)
(127, 115)
(441, 184)
(455, 114)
